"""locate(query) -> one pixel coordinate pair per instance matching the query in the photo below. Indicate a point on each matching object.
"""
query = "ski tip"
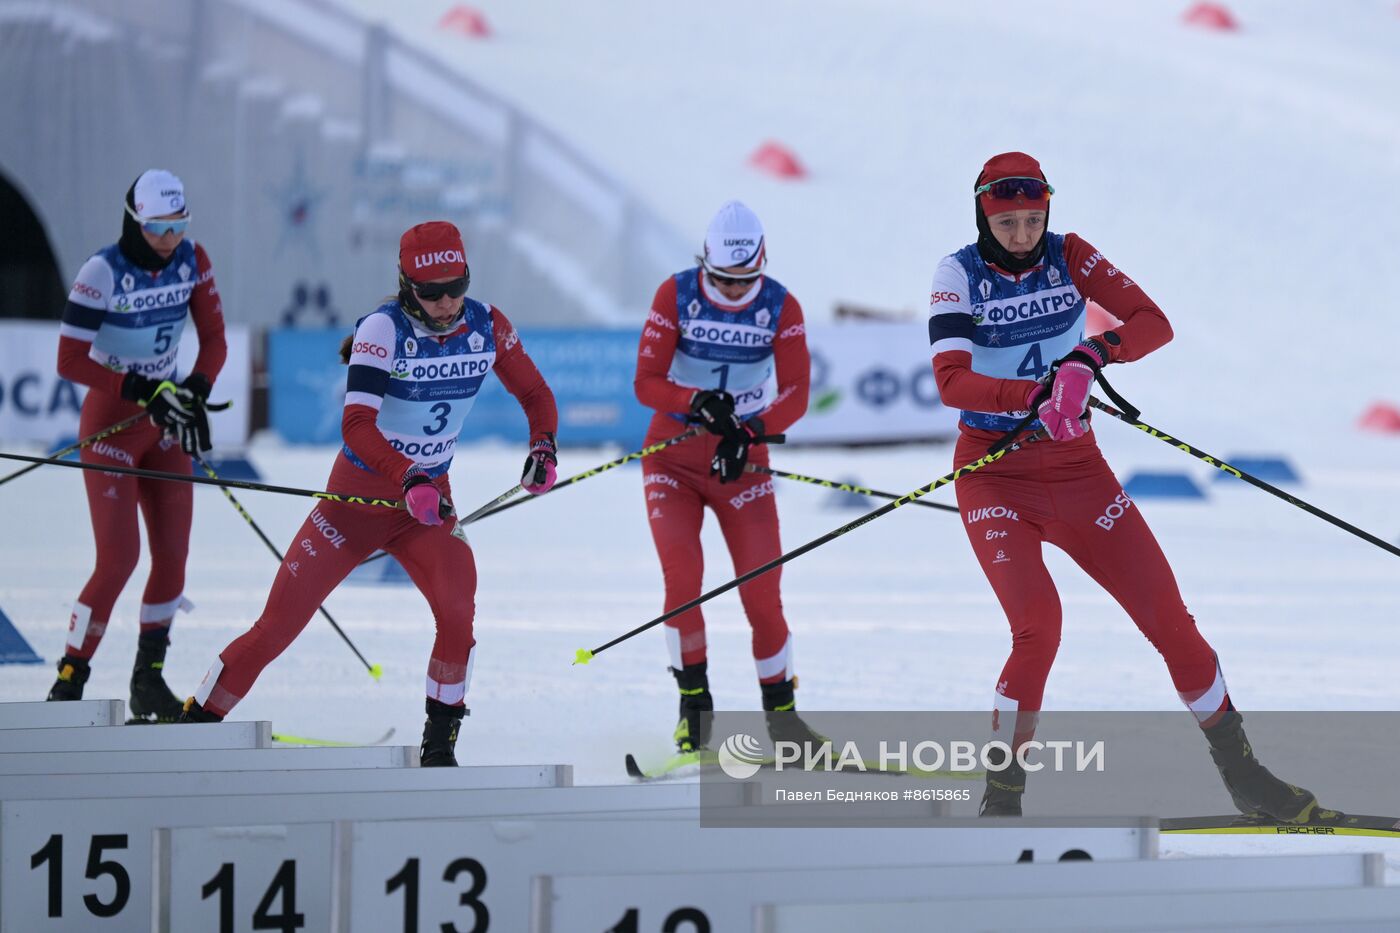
(376, 671)
(583, 656)
(633, 769)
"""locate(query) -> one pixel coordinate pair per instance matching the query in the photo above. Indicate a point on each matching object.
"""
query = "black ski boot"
(440, 735)
(1004, 788)
(780, 715)
(72, 674)
(1254, 790)
(193, 712)
(151, 699)
(697, 708)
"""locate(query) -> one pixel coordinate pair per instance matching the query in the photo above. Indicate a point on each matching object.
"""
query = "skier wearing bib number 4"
(1006, 325)
(120, 337)
(416, 364)
(724, 348)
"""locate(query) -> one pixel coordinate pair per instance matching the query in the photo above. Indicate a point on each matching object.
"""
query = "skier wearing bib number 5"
(1006, 325)
(120, 337)
(416, 364)
(724, 348)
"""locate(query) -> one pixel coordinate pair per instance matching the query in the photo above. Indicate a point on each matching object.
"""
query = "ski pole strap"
(769, 439)
(1127, 407)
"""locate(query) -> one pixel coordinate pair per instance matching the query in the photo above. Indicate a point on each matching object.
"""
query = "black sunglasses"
(729, 280)
(435, 291)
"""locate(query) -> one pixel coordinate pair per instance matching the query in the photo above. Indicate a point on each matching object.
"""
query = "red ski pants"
(113, 501)
(1063, 493)
(334, 538)
(678, 488)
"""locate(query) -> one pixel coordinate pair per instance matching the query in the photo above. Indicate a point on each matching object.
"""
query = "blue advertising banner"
(590, 372)
(871, 383)
(306, 384)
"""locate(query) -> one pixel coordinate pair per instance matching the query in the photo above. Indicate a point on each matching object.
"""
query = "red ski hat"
(1024, 197)
(432, 250)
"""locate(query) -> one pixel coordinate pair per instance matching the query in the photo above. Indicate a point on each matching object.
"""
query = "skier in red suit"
(1006, 324)
(725, 348)
(416, 364)
(120, 335)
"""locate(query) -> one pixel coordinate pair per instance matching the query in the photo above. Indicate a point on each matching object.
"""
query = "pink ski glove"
(421, 496)
(539, 466)
(1062, 404)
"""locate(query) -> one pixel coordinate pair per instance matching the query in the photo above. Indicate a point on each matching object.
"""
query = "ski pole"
(580, 477)
(78, 445)
(446, 510)
(584, 655)
(492, 504)
(844, 487)
(1241, 474)
(375, 671)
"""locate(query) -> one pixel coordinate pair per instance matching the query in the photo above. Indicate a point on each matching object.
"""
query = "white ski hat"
(157, 193)
(735, 240)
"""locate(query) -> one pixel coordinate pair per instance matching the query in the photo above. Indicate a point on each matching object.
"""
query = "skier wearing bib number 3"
(1006, 324)
(724, 348)
(416, 364)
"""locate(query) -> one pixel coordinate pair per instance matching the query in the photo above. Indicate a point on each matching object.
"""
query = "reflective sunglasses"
(1008, 189)
(161, 227)
(435, 291)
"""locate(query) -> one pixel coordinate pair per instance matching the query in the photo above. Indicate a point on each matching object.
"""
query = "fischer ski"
(1327, 823)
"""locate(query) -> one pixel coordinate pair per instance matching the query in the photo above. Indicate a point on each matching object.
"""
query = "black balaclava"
(133, 245)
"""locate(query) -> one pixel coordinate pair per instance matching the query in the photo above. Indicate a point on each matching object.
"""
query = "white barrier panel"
(235, 878)
(727, 900)
(36, 405)
(295, 781)
(41, 715)
(61, 860)
(212, 759)
(469, 873)
(872, 382)
(139, 738)
(1300, 908)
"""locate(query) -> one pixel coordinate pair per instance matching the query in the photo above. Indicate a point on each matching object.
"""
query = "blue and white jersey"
(1014, 329)
(727, 349)
(134, 319)
(423, 384)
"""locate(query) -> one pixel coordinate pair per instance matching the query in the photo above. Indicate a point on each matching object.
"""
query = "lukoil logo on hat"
(158, 193)
(432, 250)
(734, 238)
(740, 756)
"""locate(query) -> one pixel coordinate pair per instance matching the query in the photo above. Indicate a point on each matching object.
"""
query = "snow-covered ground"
(893, 616)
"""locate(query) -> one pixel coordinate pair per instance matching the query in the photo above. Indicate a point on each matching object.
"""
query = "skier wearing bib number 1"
(416, 364)
(724, 348)
(1006, 325)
